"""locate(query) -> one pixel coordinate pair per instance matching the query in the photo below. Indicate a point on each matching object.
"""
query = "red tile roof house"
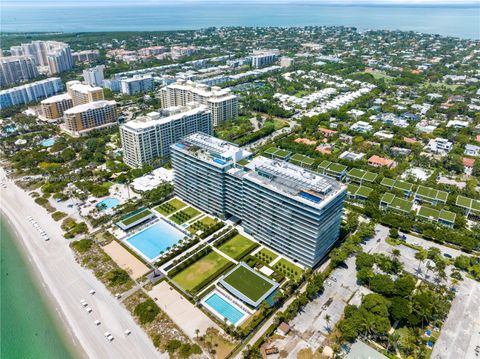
(410, 140)
(327, 132)
(305, 141)
(468, 162)
(378, 161)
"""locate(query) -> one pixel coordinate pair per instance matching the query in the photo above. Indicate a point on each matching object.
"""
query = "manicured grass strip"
(266, 255)
(136, 217)
(238, 247)
(248, 282)
(288, 269)
(171, 206)
(184, 215)
(201, 270)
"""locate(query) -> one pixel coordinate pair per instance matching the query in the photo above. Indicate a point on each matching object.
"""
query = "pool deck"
(125, 260)
(231, 300)
(183, 313)
(144, 228)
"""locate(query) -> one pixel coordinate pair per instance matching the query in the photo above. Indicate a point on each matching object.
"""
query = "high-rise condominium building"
(94, 76)
(147, 140)
(222, 102)
(82, 94)
(136, 84)
(262, 58)
(15, 69)
(295, 211)
(51, 57)
(32, 92)
(54, 107)
(90, 116)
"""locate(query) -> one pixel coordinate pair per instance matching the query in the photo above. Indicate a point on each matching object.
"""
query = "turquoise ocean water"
(459, 21)
(29, 329)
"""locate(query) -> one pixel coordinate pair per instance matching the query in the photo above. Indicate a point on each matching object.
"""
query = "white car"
(88, 309)
(97, 322)
(85, 304)
(127, 332)
(46, 238)
(82, 301)
(106, 334)
(92, 292)
(110, 338)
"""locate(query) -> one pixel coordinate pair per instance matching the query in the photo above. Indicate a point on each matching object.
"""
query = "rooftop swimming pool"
(223, 308)
(107, 203)
(155, 240)
(48, 142)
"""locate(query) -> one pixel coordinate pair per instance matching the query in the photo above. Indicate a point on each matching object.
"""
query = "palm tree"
(395, 253)
(393, 340)
(421, 256)
(328, 319)
(196, 332)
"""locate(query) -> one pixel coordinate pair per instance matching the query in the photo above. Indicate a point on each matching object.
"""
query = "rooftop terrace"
(209, 148)
(294, 181)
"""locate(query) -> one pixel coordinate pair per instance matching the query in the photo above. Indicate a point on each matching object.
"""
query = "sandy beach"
(65, 283)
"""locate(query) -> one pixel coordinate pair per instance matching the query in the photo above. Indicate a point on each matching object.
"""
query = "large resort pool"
(151, 242)
(107, 203)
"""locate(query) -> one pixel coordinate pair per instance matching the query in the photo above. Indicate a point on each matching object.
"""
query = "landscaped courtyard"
(171, 206)
(184, 215)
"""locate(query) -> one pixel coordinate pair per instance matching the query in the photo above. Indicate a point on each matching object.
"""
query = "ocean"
(457, 21)
(29, 329)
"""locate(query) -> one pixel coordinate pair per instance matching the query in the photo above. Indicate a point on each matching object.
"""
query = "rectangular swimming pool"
(154, 240)
(222, 308)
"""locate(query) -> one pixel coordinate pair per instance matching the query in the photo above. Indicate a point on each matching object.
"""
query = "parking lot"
(310, 327)
(460, 333)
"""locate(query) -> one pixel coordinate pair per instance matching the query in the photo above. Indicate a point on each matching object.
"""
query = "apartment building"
(14, 69)
(51, 57)
(177, 52)
(147, 139)
(295, 211)
(136, 84)
(32, 92)
(261, 58)
(82, 94)
(86, 56)
(222, 102)
(152, 51)
(94, 76)
(54, 107)
(89, 116)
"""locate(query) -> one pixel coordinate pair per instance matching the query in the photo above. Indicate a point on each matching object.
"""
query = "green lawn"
(207, 221)
(170, 206)
(288, 269)
(200, 270)
(238, 246)
(266, 255)
(201, 224)
(136, 217)
(184, 215)
(248, 282)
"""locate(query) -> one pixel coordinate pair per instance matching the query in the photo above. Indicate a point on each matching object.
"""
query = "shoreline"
(64, 282)
(53, 308)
